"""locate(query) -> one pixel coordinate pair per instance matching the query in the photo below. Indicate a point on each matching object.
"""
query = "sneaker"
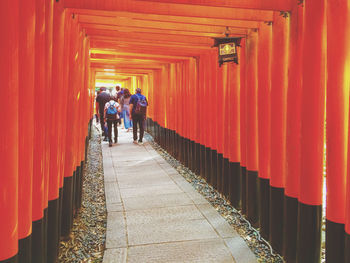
(110, 144)
(135, 141)
(140, 143)
(105, 139)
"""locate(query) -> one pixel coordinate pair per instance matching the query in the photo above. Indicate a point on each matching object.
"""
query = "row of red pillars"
(269, 118)
(47, 103)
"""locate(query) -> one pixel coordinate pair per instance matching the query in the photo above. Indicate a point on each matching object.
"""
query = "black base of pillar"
(290, 228)
(219, 174)
(198, 158)
(202, 161)
(252, 198)
(309, 233)
(76, 189)
(235, 189)
(226, 174)
(67, 207)
(244, 189)
(38, 241)
(60, 206)
(347, 247)
(207, 164)
(52, 231)
(82, 166)
(276, 218)
(79, 186)
(191, 156)
(335, 242)
(10, 260)
(214, 168)
(46, 223)
(181, 149)
(25, 249)
(176, 146)
(187, 152)
(264, 207)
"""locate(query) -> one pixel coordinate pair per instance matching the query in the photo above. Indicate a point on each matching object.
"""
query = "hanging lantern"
(227, 48)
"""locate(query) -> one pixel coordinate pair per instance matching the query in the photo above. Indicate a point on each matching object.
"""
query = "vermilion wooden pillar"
(9, 29)
(264, 125)
(243, 127)
(338, 73)
(219, 125)
(55, 131)
(252, 126)
(234, 150)
(312, 134)
(225, 132)
(213, 75)
(293, 135)
(201, 131)
(25, 125)
(39, 168)
(279, 86)
(47, 125)
(70, 158)
(63, 109)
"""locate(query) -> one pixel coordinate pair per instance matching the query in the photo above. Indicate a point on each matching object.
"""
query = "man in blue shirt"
(138, 111)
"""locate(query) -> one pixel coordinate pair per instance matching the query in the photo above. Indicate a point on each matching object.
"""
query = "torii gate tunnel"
(264, 132)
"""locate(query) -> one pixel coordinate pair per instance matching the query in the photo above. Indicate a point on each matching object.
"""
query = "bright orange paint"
(264, 102)
(243, 105)
(251, 101)
(338, 68)
(9, 137)
(26, 117)
(294, 104)
(279, 86)
(39, 113)
(312, 111)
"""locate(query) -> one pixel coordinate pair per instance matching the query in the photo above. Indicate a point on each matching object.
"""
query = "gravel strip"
(88, 235)
(251, 236)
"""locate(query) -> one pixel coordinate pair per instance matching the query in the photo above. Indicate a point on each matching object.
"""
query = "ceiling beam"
(150, 37)
(133, 42)
(168, 18)
(204, 32)
(162, 8)
(280, 5)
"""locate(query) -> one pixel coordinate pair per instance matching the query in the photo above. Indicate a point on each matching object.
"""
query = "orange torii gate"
(254, 130)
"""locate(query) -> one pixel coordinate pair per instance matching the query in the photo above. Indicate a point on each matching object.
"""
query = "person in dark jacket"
(101, 101)
(138, 106)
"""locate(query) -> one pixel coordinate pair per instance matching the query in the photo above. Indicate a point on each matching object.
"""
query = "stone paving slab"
(150, 191)
(155, 215)
(156, 201)
(211, 250)
(115, 255)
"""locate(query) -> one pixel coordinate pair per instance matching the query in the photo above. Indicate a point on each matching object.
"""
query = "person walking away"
(138, 110)
(120, 92)
(101, 101)
(112, 116)
(125, 106)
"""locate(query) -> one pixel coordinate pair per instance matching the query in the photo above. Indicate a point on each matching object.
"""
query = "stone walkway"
(155, 215)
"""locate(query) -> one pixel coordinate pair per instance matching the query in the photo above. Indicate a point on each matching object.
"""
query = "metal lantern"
(227, 49)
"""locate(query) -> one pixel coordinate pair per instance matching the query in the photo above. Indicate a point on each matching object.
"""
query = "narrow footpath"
(155, 215)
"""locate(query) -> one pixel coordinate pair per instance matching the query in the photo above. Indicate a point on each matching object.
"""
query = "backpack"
(112, 111)
(141, 105)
